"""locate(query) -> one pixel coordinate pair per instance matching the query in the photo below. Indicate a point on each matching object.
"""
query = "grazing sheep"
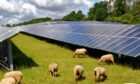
(80, 52)
(5, 83)
(17, 75)
(78, 71)
(108, 57)
(53, 68)
(99, 71)
(9, 80)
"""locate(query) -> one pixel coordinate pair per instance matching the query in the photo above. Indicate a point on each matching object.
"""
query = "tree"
(136, 12)
(8, 25)
(80, 15)
(70, 17)
(120, 8)
(98, 12)
(37, 20)
(91, 13)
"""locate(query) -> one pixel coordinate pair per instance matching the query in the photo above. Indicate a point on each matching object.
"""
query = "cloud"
(15, 11)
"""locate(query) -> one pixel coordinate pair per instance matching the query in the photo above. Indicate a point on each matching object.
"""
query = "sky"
(17, 11)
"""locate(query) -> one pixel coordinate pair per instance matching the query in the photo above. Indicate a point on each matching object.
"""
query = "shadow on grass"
(132, 62)
(80, 79)
(96, 53)
(20, 60)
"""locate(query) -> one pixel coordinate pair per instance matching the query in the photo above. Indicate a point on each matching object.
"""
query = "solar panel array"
(7, 32)
(108, 36)
(113, 37)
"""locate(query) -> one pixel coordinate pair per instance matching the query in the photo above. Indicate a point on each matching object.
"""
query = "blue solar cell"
(97, 40)
(123, 44)
(126, 32)
(114, 37)
(135, 52)
(130, 46)
(115, 44)
(91, 41)
(109, 42)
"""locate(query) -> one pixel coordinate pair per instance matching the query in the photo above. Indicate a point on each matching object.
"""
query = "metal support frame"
(10, 55)
(119, 55)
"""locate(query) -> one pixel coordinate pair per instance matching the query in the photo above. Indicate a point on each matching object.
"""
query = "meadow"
(32, 56)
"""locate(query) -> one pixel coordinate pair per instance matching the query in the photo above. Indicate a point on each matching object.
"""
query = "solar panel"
(113, 37)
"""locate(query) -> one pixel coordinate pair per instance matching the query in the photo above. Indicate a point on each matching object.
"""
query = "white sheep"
(53, 68)
(78, 71)
(99, 71)
(9, 80)
(17, 75)
(80, 52)
(108, 57)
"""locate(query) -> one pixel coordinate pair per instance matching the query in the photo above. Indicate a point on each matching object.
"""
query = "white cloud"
(1, 17)
(15, 11)
(88, 2)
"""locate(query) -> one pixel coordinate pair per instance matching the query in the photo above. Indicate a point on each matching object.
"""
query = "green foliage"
(37, 20)
(80, 16)
(136, 12)
(120, 8)
(8, 25)
(98, 12)
(91, 13)
(73, 16)
(122, 15)
(126, 18)
(70, 17)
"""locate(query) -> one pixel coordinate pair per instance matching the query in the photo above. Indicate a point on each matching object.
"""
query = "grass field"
(32, 56)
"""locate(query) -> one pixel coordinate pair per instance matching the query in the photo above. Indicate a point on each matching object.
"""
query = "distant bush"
(126, 18)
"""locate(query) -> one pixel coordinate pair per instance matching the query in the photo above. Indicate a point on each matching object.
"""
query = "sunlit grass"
(33, 57)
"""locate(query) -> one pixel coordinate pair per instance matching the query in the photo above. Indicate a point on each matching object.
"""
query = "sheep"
(99, 71)
(9, 80)
(53, 68)
(80, 52)
(17, 75)
(78, 71)
(108, 57)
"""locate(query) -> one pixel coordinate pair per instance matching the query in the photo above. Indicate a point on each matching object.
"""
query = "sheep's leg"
(104, 76)
(113, 61)
(97, 77)
(52, 73)
(55, 74)
(19, 82)
(74, 55)
(99, 61)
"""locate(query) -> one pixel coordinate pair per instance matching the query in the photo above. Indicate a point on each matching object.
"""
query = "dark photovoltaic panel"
(108, 36)
(6, 32)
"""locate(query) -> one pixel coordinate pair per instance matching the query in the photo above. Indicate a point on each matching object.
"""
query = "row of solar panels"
(118, 38)
(97, 29)
(6, 33)
(113, 37)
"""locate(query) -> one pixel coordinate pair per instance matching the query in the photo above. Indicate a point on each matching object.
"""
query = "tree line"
(100, 12)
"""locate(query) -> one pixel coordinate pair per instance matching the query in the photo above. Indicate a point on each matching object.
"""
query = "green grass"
(32, 56)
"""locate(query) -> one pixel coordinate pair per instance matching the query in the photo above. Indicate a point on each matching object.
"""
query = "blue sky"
(86, 9)
(16, 11)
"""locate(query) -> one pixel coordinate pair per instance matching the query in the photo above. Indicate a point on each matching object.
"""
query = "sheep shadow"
(57, 75)
(80, 78)
(20, 60)
(102, 79)
(132, 62)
